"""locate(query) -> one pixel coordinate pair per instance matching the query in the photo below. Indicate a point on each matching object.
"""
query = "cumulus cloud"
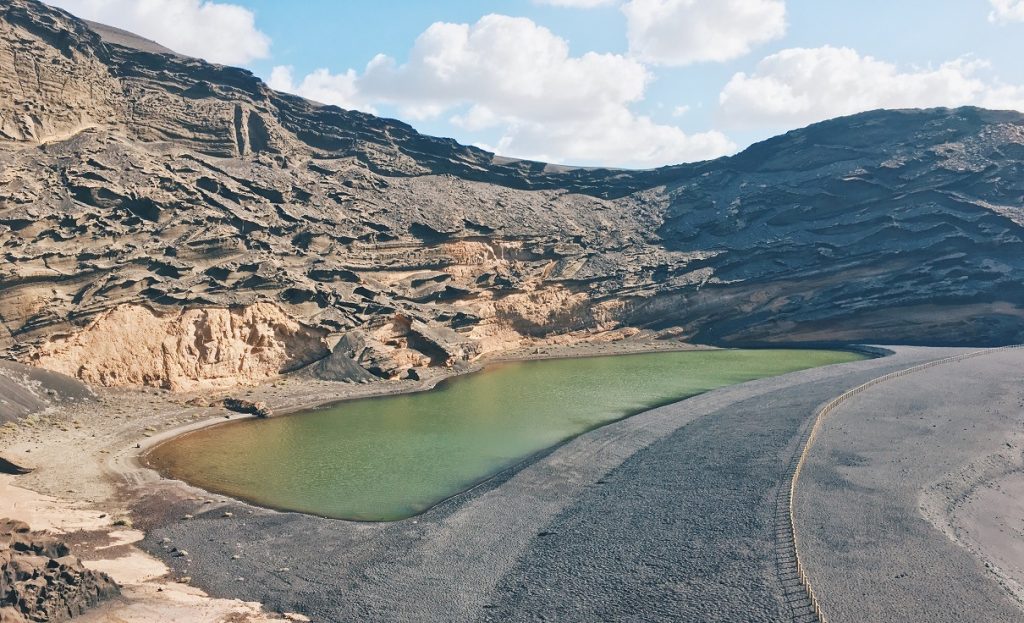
(1003, 97)
(510, 65)
(518, 79)
(803, 85)
(216, 31)
(1006, 11)
(321, 86)
(682, 32)
(618, 138)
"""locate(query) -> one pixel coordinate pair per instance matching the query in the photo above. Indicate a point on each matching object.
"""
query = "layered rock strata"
(143, 188)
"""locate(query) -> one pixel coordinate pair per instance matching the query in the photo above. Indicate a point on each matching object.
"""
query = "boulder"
(257, 408)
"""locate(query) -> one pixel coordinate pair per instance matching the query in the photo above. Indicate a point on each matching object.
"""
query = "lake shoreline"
(106, 436)
(475, 535)
(392, 457)
(108, 484)
(643, 346)
(438, 376)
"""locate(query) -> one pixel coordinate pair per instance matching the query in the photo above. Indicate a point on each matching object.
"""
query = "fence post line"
(812, 434)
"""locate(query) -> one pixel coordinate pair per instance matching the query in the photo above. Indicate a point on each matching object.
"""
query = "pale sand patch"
(981, 507)
(148, 594)
(43, 512)
(177, 603)
(992, 523)
(134, 568)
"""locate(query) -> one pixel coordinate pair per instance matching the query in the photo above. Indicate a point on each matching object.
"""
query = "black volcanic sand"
(664, 516)
(7, 467)
(25, 390)
(895, 468)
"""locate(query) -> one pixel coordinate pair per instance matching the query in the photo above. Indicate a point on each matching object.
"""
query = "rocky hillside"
(246, 232)
(899, 226)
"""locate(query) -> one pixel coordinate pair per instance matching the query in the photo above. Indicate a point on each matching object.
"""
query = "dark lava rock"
(41, 581)
(238, 405)
(7, 467)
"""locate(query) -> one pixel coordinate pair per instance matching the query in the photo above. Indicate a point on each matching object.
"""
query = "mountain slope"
(890, 225)
(136, 183)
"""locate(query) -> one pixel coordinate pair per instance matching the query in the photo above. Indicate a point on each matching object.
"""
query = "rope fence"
(816, 427)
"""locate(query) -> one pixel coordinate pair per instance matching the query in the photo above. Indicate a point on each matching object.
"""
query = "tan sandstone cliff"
(184, 351)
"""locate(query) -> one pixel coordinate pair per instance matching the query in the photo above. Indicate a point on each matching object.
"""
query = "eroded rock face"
(41, 581)
(902, 226)
(53, 84)
(215, 192)
(188, 350)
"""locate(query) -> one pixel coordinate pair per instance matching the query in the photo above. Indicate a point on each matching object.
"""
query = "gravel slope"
(684, 529)
(25, 390)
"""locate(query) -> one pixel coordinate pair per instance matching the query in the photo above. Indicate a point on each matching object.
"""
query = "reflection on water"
(391, 457)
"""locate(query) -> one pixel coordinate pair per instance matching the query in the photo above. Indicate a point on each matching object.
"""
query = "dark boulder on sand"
(238, 405)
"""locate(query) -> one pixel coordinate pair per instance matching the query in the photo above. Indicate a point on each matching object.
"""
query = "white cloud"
(679, 111)
(216, 31)
(518, 80)
(477, 118)
(1006, 11)
(803, 85)
(682, 32)
(282, 78)
(1004, 97)
(619, 138)
(510, 65)
(321, 86)
(576, 4)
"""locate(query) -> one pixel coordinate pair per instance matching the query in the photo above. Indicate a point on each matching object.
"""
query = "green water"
(392, 457)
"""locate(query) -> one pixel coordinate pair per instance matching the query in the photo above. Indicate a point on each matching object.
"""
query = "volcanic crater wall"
(243, 231)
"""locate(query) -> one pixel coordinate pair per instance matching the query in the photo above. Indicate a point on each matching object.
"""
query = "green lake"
(387, 458)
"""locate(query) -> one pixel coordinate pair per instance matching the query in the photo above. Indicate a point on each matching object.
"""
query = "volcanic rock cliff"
(252, 232)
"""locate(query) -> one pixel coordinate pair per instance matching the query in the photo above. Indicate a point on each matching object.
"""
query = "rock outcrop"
(148, 186)
(239, 405)
(191, 349)
(12, 469)
(41, 581)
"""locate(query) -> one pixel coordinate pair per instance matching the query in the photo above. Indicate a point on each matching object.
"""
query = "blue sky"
(651, 93)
